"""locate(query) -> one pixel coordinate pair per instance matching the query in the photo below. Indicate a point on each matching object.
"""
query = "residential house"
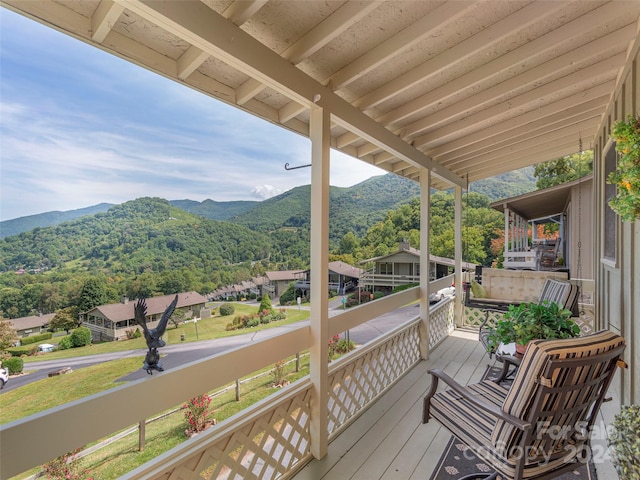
(442, 93)
(402, 267)
(343, 278)
(34, 324)
(111, 322)
(279, 281)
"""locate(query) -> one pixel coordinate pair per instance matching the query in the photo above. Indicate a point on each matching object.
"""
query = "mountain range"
(352, 209)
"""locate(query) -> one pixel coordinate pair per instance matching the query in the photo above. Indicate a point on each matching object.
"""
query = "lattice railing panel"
(441, 322)
(473, 317)
(265, 447)
(357, 383)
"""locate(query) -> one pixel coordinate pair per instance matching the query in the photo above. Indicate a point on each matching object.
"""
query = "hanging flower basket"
(626, 177)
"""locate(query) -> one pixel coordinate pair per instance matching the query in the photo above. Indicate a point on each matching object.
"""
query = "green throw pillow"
(478, 290)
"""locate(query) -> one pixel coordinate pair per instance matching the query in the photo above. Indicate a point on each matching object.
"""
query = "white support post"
(425, 207)
(319, 352)
(507, 233)
(457, 279)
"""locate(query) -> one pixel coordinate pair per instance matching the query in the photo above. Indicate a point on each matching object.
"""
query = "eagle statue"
(153, 336)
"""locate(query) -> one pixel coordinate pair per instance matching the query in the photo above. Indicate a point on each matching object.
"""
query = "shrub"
(624, 442)
(19, 351)
(81, 337)
(14, 365)
(131, 333)
(35, 338)
(265, 304)
(279, 374)
(226, 309)
(65, 343)
(377, 294)
(65, 466)
(197, 413)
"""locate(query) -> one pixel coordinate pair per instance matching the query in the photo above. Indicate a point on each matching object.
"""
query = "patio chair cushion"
(478, 290)
(471, 425)
(528, 379)
(560, 292)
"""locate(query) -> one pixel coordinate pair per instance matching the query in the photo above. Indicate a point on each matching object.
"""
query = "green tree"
(93, 294)
(349, 243)
(265, 304)
(65, 319)
(562, 170)
(8, 336)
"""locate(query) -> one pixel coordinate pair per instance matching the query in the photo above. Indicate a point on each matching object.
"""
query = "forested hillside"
(24, 224)
(352, 209)
(215, 210)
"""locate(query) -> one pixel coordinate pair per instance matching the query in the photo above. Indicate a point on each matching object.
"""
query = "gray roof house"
(111, 322)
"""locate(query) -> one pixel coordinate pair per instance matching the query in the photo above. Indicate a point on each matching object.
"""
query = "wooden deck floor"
(389, 440)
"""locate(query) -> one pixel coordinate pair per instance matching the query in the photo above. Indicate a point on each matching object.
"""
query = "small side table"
(506, 353)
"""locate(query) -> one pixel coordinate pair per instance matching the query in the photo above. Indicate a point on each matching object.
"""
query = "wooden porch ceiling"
(469, 89)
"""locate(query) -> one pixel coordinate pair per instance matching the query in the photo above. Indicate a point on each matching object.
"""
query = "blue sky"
(79, 127)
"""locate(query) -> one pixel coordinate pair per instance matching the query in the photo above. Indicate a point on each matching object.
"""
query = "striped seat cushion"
(526, 383)
(472, 426)
(565, 294)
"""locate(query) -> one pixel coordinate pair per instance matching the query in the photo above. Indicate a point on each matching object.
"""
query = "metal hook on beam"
(287, 167)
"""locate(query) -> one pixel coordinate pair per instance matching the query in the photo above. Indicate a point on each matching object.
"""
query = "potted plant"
(626, 177)
(531, 321)
(624, 442)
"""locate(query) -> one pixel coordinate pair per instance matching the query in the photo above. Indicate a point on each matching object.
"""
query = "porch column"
(425, 206)
(457, 239)
(319, 352)
(507, 231)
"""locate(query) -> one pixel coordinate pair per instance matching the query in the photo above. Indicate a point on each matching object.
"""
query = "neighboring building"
(566, 205)
(32, 325)
(279, 281)
(403, 267)
(111, 322)
(342, 278)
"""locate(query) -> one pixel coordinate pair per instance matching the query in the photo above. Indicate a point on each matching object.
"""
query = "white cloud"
(265, 191)
(81, 127)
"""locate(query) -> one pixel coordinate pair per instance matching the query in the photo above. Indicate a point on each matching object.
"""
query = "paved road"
(179, 354)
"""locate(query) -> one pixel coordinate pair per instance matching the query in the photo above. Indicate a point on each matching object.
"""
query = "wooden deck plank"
(389, 440)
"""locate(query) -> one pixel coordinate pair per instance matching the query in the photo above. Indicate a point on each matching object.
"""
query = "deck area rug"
(455, 462)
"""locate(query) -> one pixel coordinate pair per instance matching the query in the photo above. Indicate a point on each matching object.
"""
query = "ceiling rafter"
(462, 52)
(316, 38)
(104, 18)
(538, 52)
(539, 128)
(567, 67)
(554, 112)
(403, 40)
(532, 100)
(239, 11)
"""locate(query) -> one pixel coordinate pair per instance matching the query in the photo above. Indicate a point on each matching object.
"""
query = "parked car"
(46, 347)
(435, 297)
(4, 377)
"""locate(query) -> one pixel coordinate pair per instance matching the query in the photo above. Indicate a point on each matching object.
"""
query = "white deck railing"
(268, 440)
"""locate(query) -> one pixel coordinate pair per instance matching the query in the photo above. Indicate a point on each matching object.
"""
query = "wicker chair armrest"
(475, 400)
